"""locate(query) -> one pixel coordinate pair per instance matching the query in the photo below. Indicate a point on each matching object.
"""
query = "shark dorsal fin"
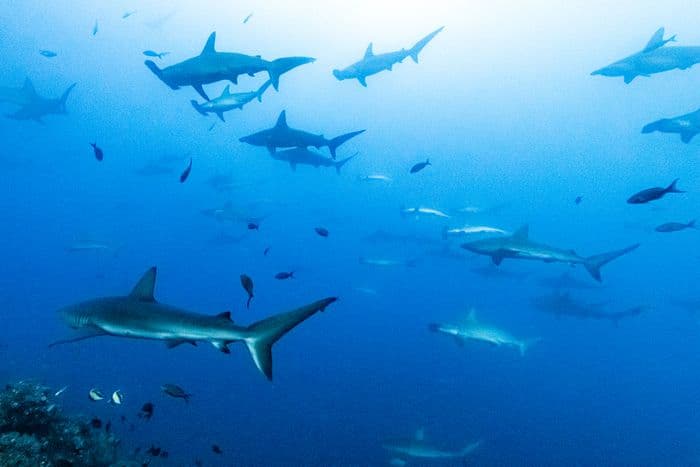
(226, 315)
(282, 120)
(368, 52)
(209, 46)
(522, 233)
(227, 90)
(420, 434)
(143, 290)
(28, 87)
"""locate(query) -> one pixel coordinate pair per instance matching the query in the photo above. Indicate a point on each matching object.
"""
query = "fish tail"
(692, 224)
(339, 165)
(262, 89)
(64, 97)
(416, 49)
(278, 67)
(247, 304)
(263, 334)
(594, 263)
(672, 187)
(338, 140)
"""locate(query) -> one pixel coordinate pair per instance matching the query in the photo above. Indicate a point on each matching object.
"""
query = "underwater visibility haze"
(270, 233)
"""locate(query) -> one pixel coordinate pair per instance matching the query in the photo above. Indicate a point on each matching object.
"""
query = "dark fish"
(108, 426)
(284, 275)
(48, 53)
(323, 232)
(247, 18)
(247, 284)
(122, 418)
(95, 28)
(675, 226)
(578, 199)
(216, 449)
(99, 154)
(266, 251)
(651, 194)
(420, 166)
(96, 423)
(186, 172)
(253, 226)
(153, 53)
(173, 390)
(154, 451)
(146, 411)
(128, 13)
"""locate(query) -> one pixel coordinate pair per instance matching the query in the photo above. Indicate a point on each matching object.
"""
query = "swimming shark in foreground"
(304, 156)
(418, 448)
(283, 136)
(372, 64)
(139, 315)
(654, 58)
(476, 331)
(229, 101)
(211, 66)
(35, 107)
(519, 246)
(687, 125)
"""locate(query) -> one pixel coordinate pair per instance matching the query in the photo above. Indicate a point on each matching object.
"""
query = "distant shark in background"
(33, 106)
(417, 448)
(372, 64)
(303, 156)
(138, 315)
(654, 58)
(229, 101)
(687, 126)
(562, 303)
(519, 246)
(211, 66)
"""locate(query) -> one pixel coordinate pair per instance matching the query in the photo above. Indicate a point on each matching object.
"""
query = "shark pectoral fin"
(200, 91)
(629, 78)
(686, 136)
(362, 81)
(143, 290)
(497, 258)
(174, 343)
(83, 334)
(293, 166)
(222, 346)
(221, 116)
(234, 80)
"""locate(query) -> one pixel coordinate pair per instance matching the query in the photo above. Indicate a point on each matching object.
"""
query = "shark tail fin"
(672, 188)
(416, 49)
(594, 263)
(339, 165)
(259, 93)
(64, 97)
(468, 449)
(263, 334)
(198, 107)
(277, 68)
(338, 140)
(693, 224)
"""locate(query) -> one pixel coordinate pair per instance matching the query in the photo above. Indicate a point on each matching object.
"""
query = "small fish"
(95, 395)
(95, 28)
(284, 275)
(154, 451)
(247, 284)
(578, 199)
(321, 231)
(117, 397)
(99, 154)
(216, 449)
(247, 18)
(186, 172)
(425, 211)
(48, 53)
(154, 54)
(675, 226)
(146, 411)
(212, 126)
(376, 178)
(60, 391)
(266, 251)
(96, 423)
(420, 166)
(651, 194)
(253, 226)
(128, 13)
(173, 390)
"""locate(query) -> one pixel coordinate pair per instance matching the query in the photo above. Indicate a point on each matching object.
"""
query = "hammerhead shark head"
(654, 58)
(372, 64)
(283, 136)
(687, 126)
(33, 106)
(304, 156)
(229, 101)
(211, 66)
(138, 315)
(519, 246)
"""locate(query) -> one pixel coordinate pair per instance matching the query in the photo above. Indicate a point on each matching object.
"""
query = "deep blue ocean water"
(503, 104)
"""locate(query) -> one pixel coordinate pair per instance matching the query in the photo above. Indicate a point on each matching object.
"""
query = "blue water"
(503, 104)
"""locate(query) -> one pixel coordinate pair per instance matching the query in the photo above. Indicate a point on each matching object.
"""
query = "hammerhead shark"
(417, 448)
(211, 66)
(519, 246)
(138, 315)
(687, 125)
(33, 106)
(654, 58)
(229, 101)
(372, 64)
(283, 136)
(304, 156)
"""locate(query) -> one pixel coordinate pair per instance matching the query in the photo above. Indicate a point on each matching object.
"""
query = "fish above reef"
(138, 315)
(211, 66)
(229, 101)
(519, 246)
(687, 126)
(372, 63)
(417, 448)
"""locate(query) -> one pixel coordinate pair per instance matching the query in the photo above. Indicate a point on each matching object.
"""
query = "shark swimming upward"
(519, 246)
(211, 66)
(138, 315)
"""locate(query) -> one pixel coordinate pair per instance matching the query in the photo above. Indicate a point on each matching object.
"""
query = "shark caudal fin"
(277, 68)
(64, 97)
(263, 334)
(470, 448)
(415, 50)
(198, 107)
(338, 140)
(262, 89)
(339, 165)
(594, 263)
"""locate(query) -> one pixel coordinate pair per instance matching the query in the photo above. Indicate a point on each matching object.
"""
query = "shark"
(283, 136)
(372, 63)
(33, 106)
(472, 329)
(229, 213)
(562, 303)
(655, 58)
(519, 246)
(304, 156)
(211, 66)
(417, 448)
(139, 316)
(687, 126)
(229, 101)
